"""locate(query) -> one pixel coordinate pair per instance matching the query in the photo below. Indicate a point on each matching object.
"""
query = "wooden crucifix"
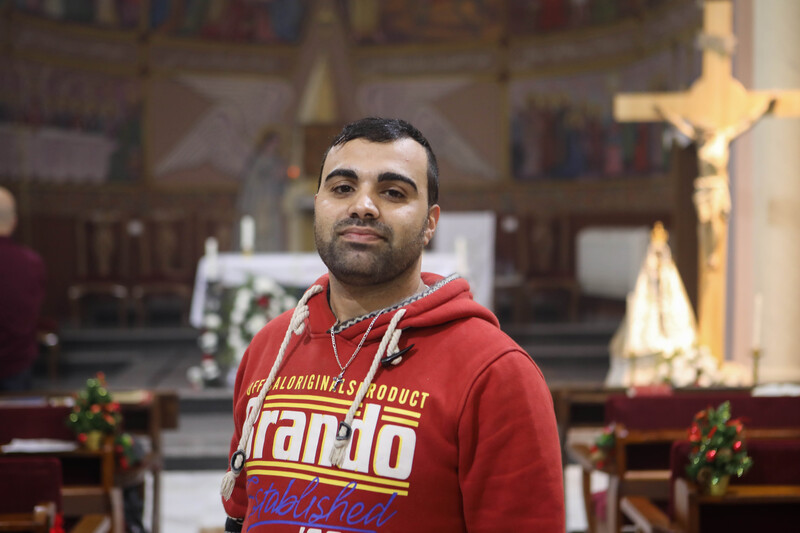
(712, 112)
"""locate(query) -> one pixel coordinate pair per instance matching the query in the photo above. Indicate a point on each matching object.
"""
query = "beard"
(361, 264)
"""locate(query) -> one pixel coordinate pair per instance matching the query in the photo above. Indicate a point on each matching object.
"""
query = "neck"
(351, 301)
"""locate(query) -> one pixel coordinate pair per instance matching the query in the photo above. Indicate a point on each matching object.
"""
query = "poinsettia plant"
(718, 446)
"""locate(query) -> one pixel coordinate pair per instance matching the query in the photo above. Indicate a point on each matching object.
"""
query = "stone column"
(741, 292)
(776, 198)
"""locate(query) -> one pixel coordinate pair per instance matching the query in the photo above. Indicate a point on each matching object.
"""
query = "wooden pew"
(647, 426)
(31, 498)
(88, 476)
(145, 414)
(767, 498)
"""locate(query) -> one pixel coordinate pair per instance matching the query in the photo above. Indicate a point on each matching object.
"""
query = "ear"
(433, 220)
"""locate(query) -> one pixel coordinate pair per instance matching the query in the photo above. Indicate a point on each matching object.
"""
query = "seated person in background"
(22, 277)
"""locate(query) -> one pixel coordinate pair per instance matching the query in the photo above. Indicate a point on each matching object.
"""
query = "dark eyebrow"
(393, 176)
(345, 172)
(385, 176)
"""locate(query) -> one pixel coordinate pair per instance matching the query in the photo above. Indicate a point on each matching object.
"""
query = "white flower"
(683, 373)
(255, 324)
(210, 369)
(709, 367)
(266, 286)
(237, 316)
(662, 372)
(208, 342)
(194, 375)
(275, 308)
(243, 300)
(235, 338)
(212, 321)
(289, 302)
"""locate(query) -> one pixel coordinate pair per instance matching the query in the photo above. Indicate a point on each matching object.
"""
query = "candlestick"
(757, 312)
(756, 360)
(247, 234)
(212, 259)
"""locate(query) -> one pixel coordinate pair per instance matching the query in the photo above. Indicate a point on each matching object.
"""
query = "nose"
(363, 206)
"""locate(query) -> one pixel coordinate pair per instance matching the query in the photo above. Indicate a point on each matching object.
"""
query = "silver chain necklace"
(340, 378)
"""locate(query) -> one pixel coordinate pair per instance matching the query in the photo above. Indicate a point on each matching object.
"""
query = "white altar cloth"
(288, 269)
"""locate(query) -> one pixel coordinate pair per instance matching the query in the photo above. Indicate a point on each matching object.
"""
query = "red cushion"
(34, 422)
(27, 481)
(677, 411)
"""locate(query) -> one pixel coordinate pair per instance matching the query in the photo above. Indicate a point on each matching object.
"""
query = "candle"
(212, 260)
(757, 311)
(462, 260)
(247, 234)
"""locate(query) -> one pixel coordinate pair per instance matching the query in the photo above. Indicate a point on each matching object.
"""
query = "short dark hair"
(382, 130)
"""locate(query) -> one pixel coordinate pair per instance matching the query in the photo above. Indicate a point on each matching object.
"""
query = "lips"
(360, 234)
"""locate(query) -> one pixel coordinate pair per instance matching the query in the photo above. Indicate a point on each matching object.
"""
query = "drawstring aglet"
(386, 361)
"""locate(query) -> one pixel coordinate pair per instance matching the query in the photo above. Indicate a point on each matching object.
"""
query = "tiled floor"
(191, 501)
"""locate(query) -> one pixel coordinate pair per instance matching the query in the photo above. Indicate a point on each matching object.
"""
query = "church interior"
(618, 182)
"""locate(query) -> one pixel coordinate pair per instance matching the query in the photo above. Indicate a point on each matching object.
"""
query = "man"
(22, 276)
(389, 400)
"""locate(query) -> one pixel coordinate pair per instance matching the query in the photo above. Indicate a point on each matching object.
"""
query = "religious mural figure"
(712, 197)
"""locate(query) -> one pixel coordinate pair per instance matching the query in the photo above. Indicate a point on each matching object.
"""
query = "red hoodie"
(460, 436)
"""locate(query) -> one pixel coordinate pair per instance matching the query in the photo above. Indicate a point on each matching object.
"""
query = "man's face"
(371, 215)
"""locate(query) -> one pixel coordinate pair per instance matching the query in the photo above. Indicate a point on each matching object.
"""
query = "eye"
(342, 188)
(395, 194)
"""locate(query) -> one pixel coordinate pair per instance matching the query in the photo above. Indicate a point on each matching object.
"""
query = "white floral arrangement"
(697, 367)
(230, 325)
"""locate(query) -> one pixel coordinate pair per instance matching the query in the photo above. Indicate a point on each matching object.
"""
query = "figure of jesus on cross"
(714, 111)
(712, 197)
